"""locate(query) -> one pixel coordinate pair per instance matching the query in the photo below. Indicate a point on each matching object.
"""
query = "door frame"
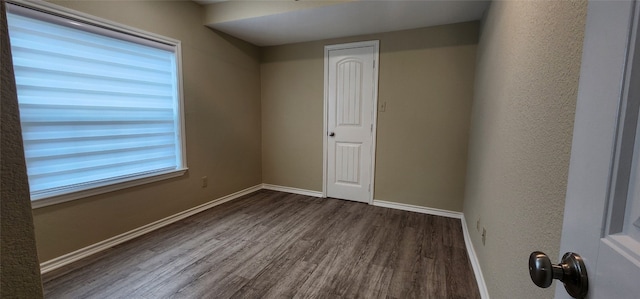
(376, 58)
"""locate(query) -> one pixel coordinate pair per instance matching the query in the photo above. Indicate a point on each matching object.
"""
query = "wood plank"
(272, 244)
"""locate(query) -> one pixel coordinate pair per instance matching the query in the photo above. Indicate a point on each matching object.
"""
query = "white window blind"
(97, 106)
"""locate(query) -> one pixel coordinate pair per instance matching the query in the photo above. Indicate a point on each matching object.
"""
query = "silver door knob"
(571, 271)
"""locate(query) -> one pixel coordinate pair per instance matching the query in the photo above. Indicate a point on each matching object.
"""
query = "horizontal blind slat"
(95, 131)
(68, 114)
(79, 82)
(92, 175)
(71, 164)
(23, 26)
(49, 149)
(43, 95)
(105, 72)
(58, 48)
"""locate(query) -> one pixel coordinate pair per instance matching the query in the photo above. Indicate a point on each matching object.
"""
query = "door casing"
(376, 47)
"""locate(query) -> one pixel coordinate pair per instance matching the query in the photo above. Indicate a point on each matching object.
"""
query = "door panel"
(349, 93)
(348, 163)
(604, 173)
(618, 261)
(350, 90)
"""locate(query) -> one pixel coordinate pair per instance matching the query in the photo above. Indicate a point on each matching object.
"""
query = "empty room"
(319, 149)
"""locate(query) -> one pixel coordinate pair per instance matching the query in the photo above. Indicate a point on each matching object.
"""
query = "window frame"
(77, 18)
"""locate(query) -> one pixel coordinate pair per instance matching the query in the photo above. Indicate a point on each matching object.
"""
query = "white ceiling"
(348, 19)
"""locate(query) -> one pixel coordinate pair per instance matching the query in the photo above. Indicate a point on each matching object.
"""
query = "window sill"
(69, 195)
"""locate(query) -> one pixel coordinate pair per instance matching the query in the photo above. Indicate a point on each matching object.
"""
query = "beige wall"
(522, 121)
(426, 79)
(222, 104)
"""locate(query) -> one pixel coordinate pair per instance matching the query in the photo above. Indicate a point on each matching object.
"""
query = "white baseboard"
(473, 259)
(292, 190)
(418, 209)
(81, 253)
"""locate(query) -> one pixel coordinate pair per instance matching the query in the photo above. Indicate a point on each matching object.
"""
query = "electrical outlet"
(478, 224)
(484, 236)
(205, 182)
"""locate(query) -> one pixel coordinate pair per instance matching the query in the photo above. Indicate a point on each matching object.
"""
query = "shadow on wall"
(244, 47)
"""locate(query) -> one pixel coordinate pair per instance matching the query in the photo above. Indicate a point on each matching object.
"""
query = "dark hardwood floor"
(279, 245)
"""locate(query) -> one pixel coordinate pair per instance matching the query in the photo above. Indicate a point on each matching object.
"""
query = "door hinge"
(371, 127)
(374, 64)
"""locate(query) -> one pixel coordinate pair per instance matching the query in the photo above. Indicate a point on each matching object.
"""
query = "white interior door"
(350, 93)
(602, 211)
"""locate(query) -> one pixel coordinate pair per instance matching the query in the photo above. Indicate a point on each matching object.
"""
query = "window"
(100, 103)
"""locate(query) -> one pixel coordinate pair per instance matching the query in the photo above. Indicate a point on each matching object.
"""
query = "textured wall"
(20, 276)
(521, 130)
(222, 104)
(426, 78)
